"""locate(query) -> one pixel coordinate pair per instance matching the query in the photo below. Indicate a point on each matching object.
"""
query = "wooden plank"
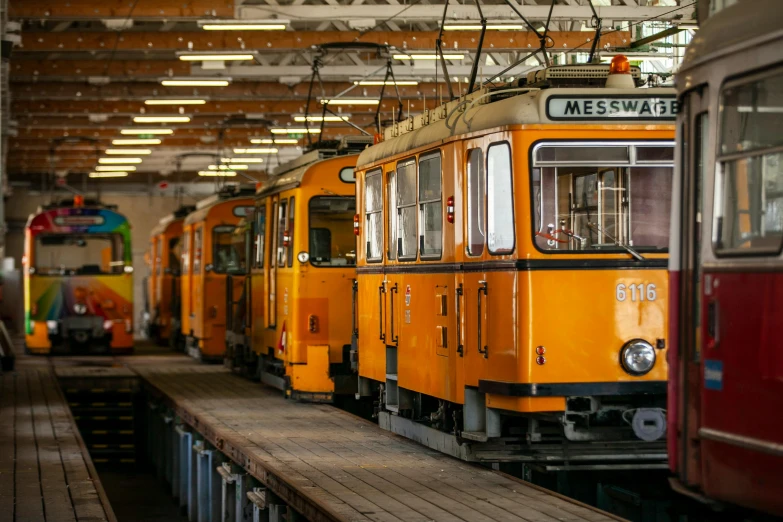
(345, 466)
(44, 473)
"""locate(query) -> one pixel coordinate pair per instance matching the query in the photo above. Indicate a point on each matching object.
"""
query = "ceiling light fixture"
(469, 26)
(128, 132)
(342, 117)
(195, 82)
(222, 173)
(256, 151)
(387, 82)
(175, 102)
(243, 25)
(143, 141)
(127, 161)
(215, 57)
(128, 152)
(295, 130)
(161, 119)
(278, 141)
(232, 166)
(241, 160)
(115, 168)
(447, 56)
(351, 101)
(107, 174)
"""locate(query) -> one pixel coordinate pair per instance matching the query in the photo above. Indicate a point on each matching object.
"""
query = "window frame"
(309, 228)
(185, 256)
(413, 160)
(290, 222)
(482, 211)
(377, 172)
(222, 229)
(513, 199)
(198, 231)
(259, 236)
(282, 250)
(532, 165)
(426, 156)
(721, 160)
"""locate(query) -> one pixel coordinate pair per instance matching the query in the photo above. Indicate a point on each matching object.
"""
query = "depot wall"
(143, 211)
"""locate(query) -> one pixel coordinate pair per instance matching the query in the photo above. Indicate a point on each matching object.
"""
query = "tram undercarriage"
(595, 433)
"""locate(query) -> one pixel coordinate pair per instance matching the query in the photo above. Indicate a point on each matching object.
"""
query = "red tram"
(725, 410)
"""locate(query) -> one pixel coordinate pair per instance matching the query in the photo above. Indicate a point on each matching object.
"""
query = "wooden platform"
(331, 465)
(45, 471)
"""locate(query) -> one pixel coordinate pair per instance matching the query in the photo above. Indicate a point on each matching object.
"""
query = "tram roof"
(210, 203)
(521, 106)
(70, 219)
(178, 215)
(740, 26)
(292, 178)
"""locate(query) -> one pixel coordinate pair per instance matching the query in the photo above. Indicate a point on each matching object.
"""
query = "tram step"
(478, 436)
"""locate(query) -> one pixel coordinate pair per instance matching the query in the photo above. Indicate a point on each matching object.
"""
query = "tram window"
(331, 238)
(258, 244)
(407, 237)
(586, 154)
(373, 206)
(597, 207)
(281, 233)
(290, 230)
(391, 211)
(186, 252)
(175, 247)
(652, 154)
(749, 183)
(158, 255)
(197, 251)
(476, 195)
(749, 206)
(430, 204)
(750, 115)
(500, 201)
(228, 250)
(76, 254)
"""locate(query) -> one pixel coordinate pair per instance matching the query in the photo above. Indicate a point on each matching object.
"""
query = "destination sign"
(76, 221)
(627, 107)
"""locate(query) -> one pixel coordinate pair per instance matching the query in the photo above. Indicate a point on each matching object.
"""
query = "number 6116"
(640, 292)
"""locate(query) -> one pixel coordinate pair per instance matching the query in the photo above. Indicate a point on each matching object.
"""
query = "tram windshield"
(332, 242)
(79, 254)
(602, 198)
(229, 254)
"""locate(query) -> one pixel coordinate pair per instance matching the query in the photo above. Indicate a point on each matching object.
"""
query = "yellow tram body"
(163, 283)
(302, 277)
(207, 258)
(481, 301)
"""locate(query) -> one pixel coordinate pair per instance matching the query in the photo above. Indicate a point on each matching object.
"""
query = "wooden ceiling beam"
(278, 41)
(82, 10)
(21, 68)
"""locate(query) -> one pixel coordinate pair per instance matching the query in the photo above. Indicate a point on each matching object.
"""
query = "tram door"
(694, 137)
(277, 212)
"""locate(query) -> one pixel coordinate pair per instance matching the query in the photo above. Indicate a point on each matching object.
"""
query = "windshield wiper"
(636, 255)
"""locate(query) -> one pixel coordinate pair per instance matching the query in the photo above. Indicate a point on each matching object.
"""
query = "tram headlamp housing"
(80, 308)
(303, 257)
(637, 357)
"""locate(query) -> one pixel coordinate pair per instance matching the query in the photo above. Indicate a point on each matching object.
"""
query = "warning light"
(450, 209)
(620, 65)
(163, 185)
(286, 238)
(540, 350)
(540, 360)
(356, 230)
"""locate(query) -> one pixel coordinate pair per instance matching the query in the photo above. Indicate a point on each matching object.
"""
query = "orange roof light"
(78, 201)
(620, 65)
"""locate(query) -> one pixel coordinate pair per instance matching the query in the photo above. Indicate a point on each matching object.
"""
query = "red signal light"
(450, 209)
(356, 230)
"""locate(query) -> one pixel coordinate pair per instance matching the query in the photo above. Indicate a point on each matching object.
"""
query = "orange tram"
(511, 268)
(300, 278)
(208, 256)
(163, 284)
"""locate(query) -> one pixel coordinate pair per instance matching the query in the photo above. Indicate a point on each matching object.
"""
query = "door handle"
(394, 338)
(354, 307)
(460, 346)
(382, 317)
(482, 289)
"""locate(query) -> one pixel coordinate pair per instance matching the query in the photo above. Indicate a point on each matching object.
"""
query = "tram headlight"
(80, 308)
(637, 357)
(303, 257)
